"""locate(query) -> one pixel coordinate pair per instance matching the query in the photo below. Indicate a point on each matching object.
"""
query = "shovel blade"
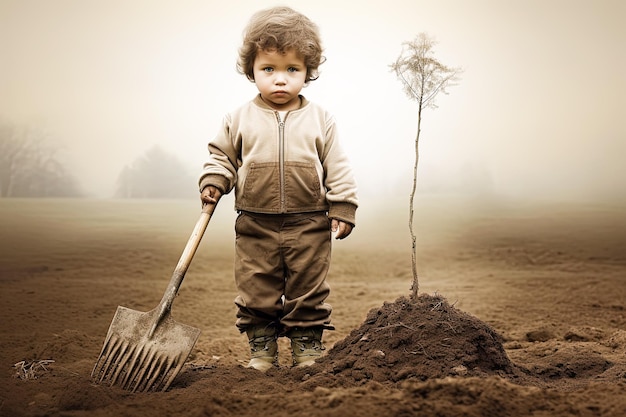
(136, 362)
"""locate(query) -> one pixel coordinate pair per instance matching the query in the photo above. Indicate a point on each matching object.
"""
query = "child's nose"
(280, 78)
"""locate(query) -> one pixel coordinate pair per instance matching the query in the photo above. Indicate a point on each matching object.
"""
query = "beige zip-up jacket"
(292, 166)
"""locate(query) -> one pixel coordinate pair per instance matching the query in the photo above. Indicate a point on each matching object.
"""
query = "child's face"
(279, 78)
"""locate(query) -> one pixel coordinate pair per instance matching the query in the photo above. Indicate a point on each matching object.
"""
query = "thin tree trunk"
(415, 284)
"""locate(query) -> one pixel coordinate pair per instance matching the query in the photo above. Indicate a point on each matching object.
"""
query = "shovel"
(145, 351)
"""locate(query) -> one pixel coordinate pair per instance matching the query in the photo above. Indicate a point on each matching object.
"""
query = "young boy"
(293, 187)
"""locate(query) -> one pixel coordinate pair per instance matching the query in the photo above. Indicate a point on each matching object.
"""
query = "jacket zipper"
(281, 160)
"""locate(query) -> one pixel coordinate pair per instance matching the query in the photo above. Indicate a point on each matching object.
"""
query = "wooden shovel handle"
(165, 305)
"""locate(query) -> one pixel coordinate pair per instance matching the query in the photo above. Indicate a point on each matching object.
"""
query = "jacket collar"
(259, 102)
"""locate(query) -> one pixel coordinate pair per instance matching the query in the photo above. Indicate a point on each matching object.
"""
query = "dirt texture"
(521, 312)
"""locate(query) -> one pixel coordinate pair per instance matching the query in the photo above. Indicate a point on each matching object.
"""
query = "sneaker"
(306, 345)
(263, 347)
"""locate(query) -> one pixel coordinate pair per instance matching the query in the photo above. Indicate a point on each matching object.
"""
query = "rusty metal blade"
(136, 362)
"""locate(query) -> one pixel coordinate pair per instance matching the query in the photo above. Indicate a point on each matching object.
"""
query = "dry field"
(523, 313)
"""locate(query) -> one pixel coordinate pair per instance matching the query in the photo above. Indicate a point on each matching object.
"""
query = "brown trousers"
(281, 263)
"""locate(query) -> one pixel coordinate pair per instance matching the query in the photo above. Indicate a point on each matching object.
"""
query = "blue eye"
(292, 69)
(268, 69)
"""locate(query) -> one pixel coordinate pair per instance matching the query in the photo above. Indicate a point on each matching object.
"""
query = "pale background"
(539, 111)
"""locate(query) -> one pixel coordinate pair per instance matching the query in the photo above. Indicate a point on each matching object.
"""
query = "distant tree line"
(157, 174)
(30, 166)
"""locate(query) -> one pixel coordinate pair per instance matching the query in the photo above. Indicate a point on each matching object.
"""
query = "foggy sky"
(539, 110)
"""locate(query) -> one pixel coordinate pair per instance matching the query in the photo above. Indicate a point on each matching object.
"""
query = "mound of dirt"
(422, 339)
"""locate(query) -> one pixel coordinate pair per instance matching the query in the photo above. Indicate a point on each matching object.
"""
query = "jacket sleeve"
(341, 188)
(220, 170)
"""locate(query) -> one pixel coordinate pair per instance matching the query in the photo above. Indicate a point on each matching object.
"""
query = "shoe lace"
(261, 343)
(307, 343)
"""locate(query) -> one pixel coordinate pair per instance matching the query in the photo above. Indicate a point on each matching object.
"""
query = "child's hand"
(343, 229)
(210, 195)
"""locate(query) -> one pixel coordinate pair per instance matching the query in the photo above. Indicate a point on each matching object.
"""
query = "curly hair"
(281, 29)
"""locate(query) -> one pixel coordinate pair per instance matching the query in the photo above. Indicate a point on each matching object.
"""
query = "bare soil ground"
(522, 312)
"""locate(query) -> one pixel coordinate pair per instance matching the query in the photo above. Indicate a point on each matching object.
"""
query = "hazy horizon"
(538, 111)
